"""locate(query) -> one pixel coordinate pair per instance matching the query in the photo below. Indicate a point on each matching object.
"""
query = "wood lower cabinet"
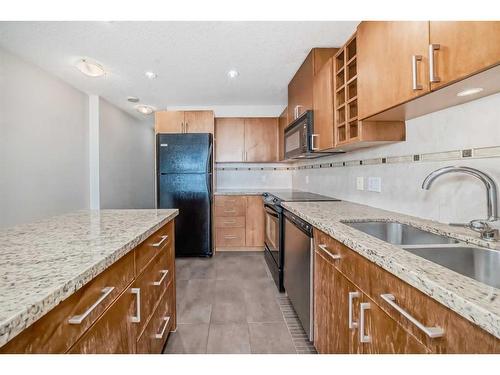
(465, 48)
(350, 288)
(239, 222)
(184, 122)
(112, 312)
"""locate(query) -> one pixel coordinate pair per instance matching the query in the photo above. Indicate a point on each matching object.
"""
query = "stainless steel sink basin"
(477, 263)
(399, 234)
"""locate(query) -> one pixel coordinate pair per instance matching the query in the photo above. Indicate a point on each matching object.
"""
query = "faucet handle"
(482, 227)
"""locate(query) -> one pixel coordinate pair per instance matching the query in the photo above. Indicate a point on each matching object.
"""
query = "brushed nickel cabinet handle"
(159, 243)
(78, 319)
(432, 332)
(414, 72)
(351, 296)
(230, 211)
(137, 317)
(164, 275)
(186, 127)
(362, 308)
(314, 136)
(230, 237)
(160, 334)
(327, 251)
(230, 222)
(432, 74)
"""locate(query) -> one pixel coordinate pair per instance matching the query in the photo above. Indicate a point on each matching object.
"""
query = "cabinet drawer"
(230, 222)
(146, 251)
(54, 333)
(152, 283)
(154, 336)
(230, 206)
(230, 237)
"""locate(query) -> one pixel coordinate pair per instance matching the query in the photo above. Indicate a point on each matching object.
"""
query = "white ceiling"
(190, 58)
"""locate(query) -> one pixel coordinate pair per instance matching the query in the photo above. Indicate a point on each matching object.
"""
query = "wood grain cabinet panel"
(230, 222)
(113, 333)
(323, 107)
(152, 246)
(169, 122)
(466, 47)
(282, 124)
(384, 63)
(254, 221)
(230, 206)
(261, 139)
(229, 140)
(184, 122)
(230, 237)
(199, 121)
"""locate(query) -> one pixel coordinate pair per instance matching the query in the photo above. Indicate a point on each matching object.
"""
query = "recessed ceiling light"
(233, 73)
(468, 92)
(151, 75)
(145, 109)
(90, 68)
(133, 99)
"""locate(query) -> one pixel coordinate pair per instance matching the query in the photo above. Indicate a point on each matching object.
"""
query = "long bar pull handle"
(313, 137)
(326, 250)
(186, 127)
(351, 296)
(414, 72)
(432, 332)
(432, 69)
(296, 111)
(229, 221)
(159, 243)
(362, 308)
(78, 319)
(164, 275)
(160, 334)
(137, 317)
(230, 237)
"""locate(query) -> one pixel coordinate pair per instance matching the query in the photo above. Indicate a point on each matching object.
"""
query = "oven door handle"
(271, 212)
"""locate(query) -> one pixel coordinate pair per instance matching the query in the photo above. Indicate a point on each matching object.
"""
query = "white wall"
(43, 144)
(126, 159)
(452, 198)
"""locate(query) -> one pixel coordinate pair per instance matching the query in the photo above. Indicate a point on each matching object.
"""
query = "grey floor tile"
(228, 268)
(228, 312)
(231, 338)
(270, 338)
(188, 339)
(194, 300)
(262, 310)
(228, 291)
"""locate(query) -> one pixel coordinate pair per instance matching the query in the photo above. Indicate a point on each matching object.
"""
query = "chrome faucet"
(481, 226)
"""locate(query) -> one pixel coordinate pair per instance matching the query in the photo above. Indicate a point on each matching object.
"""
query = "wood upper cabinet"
(282, 124)
(261, 139)
(184, 122)
(465, 48)
(300, 88)
(323, 107)
(385, 55)
(229, 139)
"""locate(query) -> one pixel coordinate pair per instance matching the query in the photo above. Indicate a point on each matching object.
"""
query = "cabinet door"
(254, 229)
(282, 124)
(385, 335)
(300, 89)
(465, 48)
(229, 139)
(261, 139)
(169, 122)
(114, 332)
(199, 122)
(323, 107)
(384, 60)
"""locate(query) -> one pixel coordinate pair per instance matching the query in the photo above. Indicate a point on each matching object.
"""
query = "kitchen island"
(62, 275)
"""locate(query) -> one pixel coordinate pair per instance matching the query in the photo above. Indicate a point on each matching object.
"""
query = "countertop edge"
(13, 326)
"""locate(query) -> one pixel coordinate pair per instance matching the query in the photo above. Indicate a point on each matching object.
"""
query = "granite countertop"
(475, 301)
(44, 262)
(241, 191)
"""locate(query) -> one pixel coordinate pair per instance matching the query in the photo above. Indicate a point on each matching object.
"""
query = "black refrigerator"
(184, 181)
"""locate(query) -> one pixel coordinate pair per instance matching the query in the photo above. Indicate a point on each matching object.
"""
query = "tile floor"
(230, 304)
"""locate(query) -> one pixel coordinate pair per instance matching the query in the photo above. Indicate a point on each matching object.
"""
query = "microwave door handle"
(313, 136)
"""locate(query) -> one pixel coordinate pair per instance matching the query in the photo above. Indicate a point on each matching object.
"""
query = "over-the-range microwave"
(300, 140)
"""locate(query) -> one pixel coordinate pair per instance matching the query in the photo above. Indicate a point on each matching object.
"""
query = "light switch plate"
(375, 184)
(360, 183)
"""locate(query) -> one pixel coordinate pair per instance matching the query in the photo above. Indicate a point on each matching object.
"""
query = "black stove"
(274, 227)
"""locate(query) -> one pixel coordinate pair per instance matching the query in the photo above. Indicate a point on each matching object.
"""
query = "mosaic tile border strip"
(464, 154)
(299, 336)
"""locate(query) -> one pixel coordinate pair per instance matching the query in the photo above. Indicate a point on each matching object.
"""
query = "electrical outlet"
(307, 179)
(375, 184)
(360, 183)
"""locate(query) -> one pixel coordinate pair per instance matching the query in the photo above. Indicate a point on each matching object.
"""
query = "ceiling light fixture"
(144, 109)
(90, 68)
(151, 75)
(133, 99)
(468, 92)
(233, 73)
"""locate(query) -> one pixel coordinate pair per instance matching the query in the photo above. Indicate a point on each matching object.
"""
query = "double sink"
(477, 263)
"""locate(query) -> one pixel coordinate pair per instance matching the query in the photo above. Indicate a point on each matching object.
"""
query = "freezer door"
(190, 193)
(184, 153)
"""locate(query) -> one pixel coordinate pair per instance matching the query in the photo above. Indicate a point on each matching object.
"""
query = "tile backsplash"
(468, 135)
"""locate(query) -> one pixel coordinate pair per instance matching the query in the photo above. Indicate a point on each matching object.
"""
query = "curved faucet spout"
(491, 188)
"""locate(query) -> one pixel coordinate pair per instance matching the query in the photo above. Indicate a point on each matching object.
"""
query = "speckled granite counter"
(44, 262)
(471, 299)
(239, 191)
